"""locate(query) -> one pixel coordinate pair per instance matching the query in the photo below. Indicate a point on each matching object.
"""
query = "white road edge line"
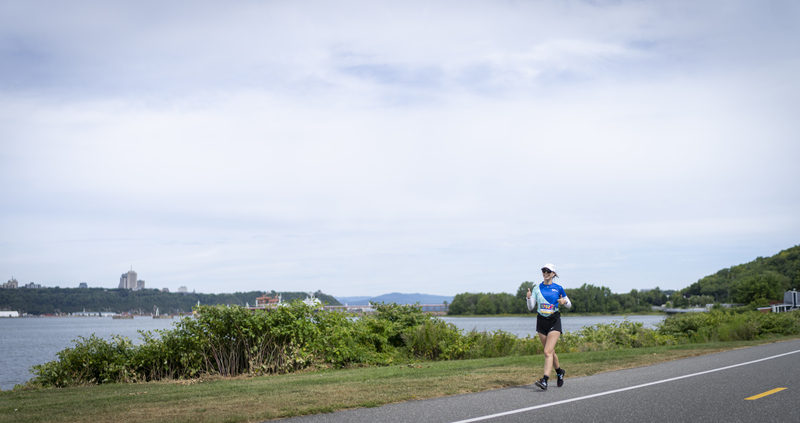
(522, 410)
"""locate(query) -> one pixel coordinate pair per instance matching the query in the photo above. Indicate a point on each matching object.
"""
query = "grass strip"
(273, 397)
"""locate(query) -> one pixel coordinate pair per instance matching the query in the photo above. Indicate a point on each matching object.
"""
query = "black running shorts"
(545, 325)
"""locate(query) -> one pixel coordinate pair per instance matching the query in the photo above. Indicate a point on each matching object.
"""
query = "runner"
(549, 296)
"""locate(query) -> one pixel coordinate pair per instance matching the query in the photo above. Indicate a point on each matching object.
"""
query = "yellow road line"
(755, 397)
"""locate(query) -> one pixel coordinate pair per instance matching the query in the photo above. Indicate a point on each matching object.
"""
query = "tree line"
(586, 299)
(71, 300)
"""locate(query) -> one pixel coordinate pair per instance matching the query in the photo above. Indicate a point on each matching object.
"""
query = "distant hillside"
(69, 300)
(398, 298)
(354, 300)
(765, 278)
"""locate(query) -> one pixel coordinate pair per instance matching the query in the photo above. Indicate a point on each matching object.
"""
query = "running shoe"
(560, 373)
(541, 383)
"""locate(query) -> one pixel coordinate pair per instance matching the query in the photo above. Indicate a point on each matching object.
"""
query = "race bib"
(547, 308)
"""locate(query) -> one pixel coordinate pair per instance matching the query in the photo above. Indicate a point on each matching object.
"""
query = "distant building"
(267, 301)
(314, 302)
(791, 297)
(164, 289)
(128, 280)
(32, 285)
(139, 285)
(9, 313)
(182, 289)
(791, 301)
(11, 284)
(83, 285)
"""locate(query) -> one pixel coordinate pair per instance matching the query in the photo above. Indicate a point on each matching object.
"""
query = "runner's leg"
(543, 338)
(550, 357)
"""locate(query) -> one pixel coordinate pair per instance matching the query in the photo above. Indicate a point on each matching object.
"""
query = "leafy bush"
(501, 344)
(346, 341)
(92, 360)
(436, 340)
(739, 328)
(729, 325)
(605, 336)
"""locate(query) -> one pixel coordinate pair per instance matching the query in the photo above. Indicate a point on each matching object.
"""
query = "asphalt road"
(709, 388)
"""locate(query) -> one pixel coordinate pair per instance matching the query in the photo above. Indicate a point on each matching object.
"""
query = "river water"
(525, 326)
(25, 342)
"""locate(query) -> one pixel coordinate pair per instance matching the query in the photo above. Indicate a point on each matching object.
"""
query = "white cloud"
(363, 148)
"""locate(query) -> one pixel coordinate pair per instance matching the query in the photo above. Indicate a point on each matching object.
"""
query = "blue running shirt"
(547, 297)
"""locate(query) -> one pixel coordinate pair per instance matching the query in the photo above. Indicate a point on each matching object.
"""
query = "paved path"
(709, 388)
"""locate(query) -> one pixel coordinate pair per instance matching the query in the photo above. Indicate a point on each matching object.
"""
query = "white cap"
(549, 266)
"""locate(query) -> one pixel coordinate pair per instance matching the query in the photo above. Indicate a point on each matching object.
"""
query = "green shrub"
(436, 340)
(92, 360)
(235, 340)
(396, 319)
(345, 341)
(605, 336)
(742, 327)
(781, 323)
(500, 344)
(729, 325)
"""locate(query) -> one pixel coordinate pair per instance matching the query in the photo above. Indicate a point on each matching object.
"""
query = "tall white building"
(128, 280)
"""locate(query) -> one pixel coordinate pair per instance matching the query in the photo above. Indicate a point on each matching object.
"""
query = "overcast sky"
(361, 148)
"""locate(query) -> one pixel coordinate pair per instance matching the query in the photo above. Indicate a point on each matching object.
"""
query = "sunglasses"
(547, 271)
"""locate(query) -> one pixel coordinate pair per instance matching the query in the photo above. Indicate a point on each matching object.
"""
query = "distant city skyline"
(130, 280)
(124, 283)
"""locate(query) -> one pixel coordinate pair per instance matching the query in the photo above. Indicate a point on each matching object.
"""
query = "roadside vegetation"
(234, 341)
(244, 399)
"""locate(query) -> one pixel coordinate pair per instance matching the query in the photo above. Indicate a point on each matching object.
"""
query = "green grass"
(263, 398)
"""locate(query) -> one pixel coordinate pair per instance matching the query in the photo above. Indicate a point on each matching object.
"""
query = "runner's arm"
(563, 293)
(531, 303)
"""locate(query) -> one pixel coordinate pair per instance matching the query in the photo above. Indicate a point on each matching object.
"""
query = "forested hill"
(69, 300)
(765, 278)
(755, 284)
